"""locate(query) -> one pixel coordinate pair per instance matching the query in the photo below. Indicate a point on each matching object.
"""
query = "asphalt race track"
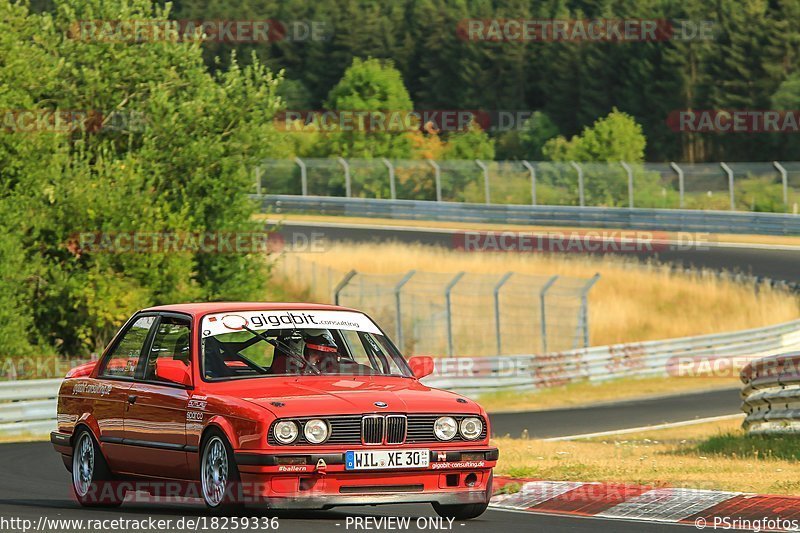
(763, 261)
(35, 482)
(622, 415)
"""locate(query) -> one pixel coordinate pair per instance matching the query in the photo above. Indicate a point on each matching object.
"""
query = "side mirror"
(173, 370)
(421, 365)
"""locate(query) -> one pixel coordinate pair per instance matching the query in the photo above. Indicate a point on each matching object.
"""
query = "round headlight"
(316, 431)
(471, 428)
(285, 431)
(445, 428)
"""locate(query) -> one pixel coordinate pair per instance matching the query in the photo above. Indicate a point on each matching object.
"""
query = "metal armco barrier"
(591, 217)
(771, 395)
(688, 356)
(28, 407)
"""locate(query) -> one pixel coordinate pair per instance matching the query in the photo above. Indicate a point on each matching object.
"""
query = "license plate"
(386, 459)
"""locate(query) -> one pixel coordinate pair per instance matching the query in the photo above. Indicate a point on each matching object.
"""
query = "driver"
(321, 352)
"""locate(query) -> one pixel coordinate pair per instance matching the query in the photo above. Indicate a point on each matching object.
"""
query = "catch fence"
(463, 313)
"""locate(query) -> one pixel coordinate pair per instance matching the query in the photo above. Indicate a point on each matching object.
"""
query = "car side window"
(123, 360)
(169, 357)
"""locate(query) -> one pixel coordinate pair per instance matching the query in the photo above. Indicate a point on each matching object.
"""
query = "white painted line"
(646, 428)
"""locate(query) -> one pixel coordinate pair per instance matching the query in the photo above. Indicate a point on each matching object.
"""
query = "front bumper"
(323, 482)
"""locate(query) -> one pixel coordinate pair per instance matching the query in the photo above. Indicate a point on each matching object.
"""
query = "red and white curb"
(702, 508)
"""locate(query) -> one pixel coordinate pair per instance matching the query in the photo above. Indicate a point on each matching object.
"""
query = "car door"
(156, 414)
(110, 390)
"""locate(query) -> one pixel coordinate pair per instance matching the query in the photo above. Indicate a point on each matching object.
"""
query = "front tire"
(465, 511)
(219, 475)
(92, 481)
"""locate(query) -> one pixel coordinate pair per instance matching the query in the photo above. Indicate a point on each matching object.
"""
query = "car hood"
(343, 395)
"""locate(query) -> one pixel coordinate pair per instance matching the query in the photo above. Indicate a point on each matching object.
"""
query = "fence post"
(629, 170)
(258, 180)
(497, 332)
(729, 171)
(585, 308)
(542, 294)
(437, 175)
(392, 186)
(397, 308)
(784, 181)
(347, 184)
(303, 175)
(341, 285)
(449, 311)
(486, 190)
(679, 171)
(532, 170)
(578, 168)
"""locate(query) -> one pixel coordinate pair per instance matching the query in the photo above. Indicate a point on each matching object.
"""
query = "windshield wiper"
(285, 347)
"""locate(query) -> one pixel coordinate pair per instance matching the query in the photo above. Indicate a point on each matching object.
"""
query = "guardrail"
(771, 395)
(591, 217)
(28, 407)
(688, 356)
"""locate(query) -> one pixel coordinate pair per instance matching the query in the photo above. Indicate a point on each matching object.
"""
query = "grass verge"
(716, 456)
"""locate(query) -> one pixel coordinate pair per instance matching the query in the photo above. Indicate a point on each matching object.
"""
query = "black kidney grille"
(395, 429)
(372, 429)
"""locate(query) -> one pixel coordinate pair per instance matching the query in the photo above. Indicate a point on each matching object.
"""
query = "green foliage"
(375, 87)
(180, 163)
(614, 138)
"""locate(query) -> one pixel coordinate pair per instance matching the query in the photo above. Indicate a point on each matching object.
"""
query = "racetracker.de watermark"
(70, 120)
(252, 31)
(579, 241)
(208, 242)
(398, 121)
(626, 30)
(734, 121)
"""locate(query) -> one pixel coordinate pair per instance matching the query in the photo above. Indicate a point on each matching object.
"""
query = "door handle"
(132, 399)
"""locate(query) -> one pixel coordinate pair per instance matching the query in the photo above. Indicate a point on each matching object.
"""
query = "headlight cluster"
(315, 431)
(446, 428)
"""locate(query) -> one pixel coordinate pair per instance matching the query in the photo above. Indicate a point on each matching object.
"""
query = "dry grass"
(586, 393)
(675, 457)
(631, 302)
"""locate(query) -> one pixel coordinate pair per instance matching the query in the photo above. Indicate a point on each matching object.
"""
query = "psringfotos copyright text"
(767, 523)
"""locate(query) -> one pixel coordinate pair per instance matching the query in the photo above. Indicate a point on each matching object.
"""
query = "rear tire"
(92, 481)
(219, 475)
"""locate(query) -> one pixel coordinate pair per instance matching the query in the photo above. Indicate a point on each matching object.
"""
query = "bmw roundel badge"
(381, 404)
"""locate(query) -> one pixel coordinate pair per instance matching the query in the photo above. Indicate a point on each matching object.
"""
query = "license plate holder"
(379, 459)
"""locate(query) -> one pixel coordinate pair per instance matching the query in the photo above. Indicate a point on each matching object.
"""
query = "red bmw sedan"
(291, 405)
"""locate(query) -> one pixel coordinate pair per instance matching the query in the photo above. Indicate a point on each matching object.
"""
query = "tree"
(373, 87)
(178, 163)
(617, 137)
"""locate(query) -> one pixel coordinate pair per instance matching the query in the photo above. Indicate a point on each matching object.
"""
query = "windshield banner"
(220, 323)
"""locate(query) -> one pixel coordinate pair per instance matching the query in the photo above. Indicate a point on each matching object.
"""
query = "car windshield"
(246, 344)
